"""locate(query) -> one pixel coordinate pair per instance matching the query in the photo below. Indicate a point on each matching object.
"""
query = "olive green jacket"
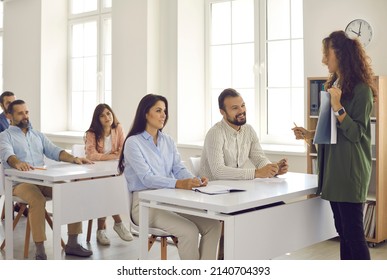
(345, 167)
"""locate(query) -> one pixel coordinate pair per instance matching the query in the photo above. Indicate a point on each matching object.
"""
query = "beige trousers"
(35, 196)
(187, 229)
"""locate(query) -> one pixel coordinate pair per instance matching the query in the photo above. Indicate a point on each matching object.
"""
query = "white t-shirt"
(107, 145)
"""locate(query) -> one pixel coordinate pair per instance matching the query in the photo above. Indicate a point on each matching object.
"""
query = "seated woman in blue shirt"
(150, 160)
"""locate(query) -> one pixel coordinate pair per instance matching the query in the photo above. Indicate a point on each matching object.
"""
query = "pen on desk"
(303, 135)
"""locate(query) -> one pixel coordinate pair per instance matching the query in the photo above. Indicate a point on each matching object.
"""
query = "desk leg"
(143, 231)
(229, 238)
(56, 223)
(8, 220)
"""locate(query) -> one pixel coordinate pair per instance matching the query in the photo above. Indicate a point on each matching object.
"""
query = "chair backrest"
(195, 165)
(2, 185)
(78, 150)
(132, 224)
(153, 231)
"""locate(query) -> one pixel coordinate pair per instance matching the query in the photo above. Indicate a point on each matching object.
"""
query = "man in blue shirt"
(5, 99)
(22, 147)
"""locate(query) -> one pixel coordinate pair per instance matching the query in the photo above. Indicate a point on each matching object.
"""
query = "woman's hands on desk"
(188, 184)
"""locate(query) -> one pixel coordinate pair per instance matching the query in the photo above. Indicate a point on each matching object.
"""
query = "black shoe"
(41, 257)
(78, 250)
(16, 207)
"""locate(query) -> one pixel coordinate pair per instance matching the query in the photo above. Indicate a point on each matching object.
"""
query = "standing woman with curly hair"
(345, 167)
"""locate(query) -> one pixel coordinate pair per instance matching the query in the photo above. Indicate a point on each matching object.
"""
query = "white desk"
(80, 192)
(256, 234)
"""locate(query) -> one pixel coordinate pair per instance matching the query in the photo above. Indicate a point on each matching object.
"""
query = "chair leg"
(163, 248)
(221, 244)
(28, 230)
(49, 221)
(15, 221)
(3, 213)
(151, 241)
(27, 239)
(175, 240)
(89, 228)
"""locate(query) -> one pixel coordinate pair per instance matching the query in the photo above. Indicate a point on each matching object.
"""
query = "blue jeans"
(349, 225)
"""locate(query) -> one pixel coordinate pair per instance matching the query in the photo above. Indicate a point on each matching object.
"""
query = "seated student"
(231, 147)
(150, 160)
(103, 141)
(6, 98)
(23, 147)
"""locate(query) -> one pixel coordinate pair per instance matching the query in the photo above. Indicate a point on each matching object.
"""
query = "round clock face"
(360, 29)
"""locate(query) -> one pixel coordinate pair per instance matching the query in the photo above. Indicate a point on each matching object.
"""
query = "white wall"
(35, 59)
(53, 78)
(22, 53)
(191, 66)
(129, 61)
(323, 17)
(158, 47)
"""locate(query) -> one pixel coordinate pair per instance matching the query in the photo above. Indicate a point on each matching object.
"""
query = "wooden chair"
(154, 233)
(23, 205)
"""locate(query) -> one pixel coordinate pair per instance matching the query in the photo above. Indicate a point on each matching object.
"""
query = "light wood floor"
(121, 250)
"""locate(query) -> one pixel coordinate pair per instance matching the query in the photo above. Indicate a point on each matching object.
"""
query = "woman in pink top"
(103, 141)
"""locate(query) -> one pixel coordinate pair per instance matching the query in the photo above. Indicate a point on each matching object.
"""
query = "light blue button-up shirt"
(30, 147)
(4, 122)
(150, 166)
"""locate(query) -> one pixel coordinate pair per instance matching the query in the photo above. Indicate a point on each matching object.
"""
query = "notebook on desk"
(216, 189)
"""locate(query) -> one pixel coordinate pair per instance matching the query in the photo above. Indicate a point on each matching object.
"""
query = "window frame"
(261, 75)
(97, 16)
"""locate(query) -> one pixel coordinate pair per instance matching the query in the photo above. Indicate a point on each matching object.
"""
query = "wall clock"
(361, 29)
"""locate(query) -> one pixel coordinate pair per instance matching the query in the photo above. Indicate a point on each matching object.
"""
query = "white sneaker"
(102, 238)
(123, 232)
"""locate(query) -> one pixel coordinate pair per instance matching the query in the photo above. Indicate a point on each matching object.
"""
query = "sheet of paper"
(270, 180)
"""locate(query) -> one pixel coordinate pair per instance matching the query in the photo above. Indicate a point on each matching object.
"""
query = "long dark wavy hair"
(139, 122)
(96, 126)
(353, 63)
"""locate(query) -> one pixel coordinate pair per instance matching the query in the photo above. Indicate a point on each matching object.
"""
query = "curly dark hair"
(353, 62)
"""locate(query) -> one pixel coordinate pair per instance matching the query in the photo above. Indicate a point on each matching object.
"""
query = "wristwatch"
(340, 112)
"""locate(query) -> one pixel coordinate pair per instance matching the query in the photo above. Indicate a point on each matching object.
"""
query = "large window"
(256, 47)
(90, 58)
